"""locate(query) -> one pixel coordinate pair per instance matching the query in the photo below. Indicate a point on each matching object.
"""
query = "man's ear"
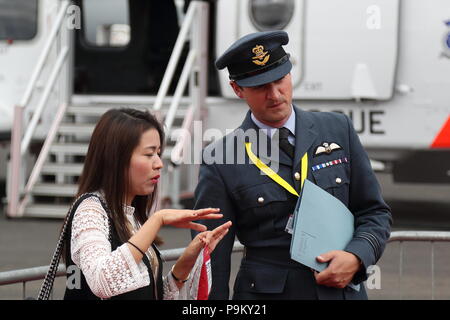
(237, 89)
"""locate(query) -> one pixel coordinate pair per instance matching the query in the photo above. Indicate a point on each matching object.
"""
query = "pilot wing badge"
(326, 148)
(260, 57)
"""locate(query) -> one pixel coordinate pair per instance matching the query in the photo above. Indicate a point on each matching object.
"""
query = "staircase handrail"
(20, 145)
(196, 20)
(176, 54)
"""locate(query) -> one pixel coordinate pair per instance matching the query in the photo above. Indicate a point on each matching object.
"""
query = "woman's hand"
(205, 238)
(184, 218)
(184, 265)
(212, 238)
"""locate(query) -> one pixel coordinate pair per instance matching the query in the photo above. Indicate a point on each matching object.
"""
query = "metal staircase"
(48, 188)
(57, 183)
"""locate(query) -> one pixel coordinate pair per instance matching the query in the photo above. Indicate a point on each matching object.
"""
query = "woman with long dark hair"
(113, 232)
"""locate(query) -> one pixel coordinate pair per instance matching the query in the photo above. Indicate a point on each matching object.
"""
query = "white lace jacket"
(110, 273)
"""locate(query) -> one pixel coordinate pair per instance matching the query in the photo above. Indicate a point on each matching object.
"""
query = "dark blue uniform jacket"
(237, 189)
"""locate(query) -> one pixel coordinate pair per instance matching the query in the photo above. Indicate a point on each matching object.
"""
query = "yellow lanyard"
(273, 175)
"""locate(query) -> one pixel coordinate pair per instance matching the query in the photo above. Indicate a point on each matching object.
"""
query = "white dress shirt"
(270, 131)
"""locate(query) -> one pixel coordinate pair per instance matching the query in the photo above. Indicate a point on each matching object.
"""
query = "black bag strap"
(47, 285)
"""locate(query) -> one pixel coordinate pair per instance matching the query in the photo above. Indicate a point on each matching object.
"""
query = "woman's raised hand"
(212, 238)
(183, 218)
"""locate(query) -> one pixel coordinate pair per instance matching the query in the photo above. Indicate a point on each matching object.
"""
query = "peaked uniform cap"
(257, 58)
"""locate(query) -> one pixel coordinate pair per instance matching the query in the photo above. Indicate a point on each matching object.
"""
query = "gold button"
(260, 200)
(297, 176)
(338, 180)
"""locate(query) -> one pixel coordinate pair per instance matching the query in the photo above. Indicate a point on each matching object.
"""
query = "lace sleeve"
(190, 289)
(108, 273)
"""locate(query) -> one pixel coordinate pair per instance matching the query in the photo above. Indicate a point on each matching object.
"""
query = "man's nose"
(272, 92)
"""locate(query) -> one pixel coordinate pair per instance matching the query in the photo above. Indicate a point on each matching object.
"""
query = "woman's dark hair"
(116, 135)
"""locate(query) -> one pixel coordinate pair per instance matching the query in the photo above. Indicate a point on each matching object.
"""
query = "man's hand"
(343, 266)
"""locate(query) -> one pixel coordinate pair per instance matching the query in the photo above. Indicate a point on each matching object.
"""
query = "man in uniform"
(260, 206)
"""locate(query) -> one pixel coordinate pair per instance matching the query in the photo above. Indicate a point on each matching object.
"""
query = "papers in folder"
(322, 223)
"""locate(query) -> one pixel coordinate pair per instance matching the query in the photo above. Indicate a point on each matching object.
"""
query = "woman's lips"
(155, 179)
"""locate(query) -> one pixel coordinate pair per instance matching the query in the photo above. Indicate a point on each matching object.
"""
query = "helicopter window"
(18, 19)
(106, 22)
(271, 14)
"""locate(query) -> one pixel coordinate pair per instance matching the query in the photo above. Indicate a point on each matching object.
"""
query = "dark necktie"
(284, 142)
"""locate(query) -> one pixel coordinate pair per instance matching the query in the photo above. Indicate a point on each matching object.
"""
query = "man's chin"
(277, 117)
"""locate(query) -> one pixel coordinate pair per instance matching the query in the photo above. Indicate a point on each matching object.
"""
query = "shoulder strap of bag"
(47, 285)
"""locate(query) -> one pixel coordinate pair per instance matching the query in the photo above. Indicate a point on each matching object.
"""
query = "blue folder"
(322, 223)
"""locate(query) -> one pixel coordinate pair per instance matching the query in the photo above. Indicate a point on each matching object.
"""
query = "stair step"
(55, 190)
(65, 168)
(46, 211)
(79, 128)
(70, 148)
(167, 152)
(122, 100)
(98, 110)
(80, 149)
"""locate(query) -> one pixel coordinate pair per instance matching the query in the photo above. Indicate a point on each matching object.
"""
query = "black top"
(85, 293)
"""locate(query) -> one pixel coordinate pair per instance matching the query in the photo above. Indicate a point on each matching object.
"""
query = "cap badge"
(260, 57)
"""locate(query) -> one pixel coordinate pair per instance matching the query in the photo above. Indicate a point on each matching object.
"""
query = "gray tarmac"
(26, 243)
